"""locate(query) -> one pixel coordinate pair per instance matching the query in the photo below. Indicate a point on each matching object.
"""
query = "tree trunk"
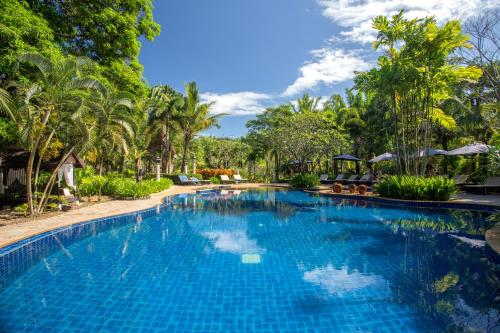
(185, 148)
(50, 183)
(276, 166)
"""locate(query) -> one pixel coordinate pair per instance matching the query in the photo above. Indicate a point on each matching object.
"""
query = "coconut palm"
(194, 118)
(7, 104)
(108, 114)
(49, 119)
(306, 104)
(165, 104)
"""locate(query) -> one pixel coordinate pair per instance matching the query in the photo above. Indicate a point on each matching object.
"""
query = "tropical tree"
(109, 115)
(306, 104)
(194, 118)
(165, 105)
(415, 77)
(49, 120)
(260, 135)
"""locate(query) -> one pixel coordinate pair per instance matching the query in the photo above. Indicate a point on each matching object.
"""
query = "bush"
(209, 173)
(121, 188)
(416, 188)
(215, 180)
(91, 185)
(305, 181)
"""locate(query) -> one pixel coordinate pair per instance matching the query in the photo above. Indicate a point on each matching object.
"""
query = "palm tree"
(113, 127)
(307, 104)
(49, 116)
(165, 105)
(194, 118)
(7, 104)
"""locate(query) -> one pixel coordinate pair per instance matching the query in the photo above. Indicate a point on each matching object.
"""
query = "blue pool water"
(256, 261)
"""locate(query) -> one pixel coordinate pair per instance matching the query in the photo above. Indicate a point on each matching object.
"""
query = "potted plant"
(337, 188)
(362, 189)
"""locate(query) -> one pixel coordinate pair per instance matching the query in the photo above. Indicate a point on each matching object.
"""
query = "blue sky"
(249, 54)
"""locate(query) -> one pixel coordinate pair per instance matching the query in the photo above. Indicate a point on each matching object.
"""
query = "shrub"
(416, 188)
(337, 188)
(121, 188)
(22, 208)
(215, 180)
(209, 173)
(92, 185)
(362, 189)
(305, 181)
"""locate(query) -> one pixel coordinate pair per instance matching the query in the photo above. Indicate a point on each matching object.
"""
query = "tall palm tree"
(50, 116)
(194, 118)
(165, 104)
(307, 104)
(108, 114)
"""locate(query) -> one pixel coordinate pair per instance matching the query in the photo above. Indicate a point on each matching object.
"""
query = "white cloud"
(356, 15)
(342, 281)
(236, 242)
(238, 103)
(329, 66)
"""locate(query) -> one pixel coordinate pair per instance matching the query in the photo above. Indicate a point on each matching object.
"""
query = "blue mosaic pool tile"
(324, 265)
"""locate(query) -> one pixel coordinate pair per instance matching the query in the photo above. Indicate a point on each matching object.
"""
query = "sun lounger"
(201, 181)
(461, 180)
(184, 180)
(238, 179)
(70, 198)
(225, 179)
(340, 177)
(490, 184)
(351, 179)
(366, 179)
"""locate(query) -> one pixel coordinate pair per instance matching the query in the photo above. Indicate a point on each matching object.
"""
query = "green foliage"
(215, 180)
(23, 208)
(416, 188)
(223, 153)
(91, 185)
(120, 187)
(43, 178)
(305, 181)
(446, 282)
(106, 31)
(21, 30)
(8, 132)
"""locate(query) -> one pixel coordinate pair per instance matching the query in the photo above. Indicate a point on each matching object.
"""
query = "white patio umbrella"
(472, 149)
(430, 152)
(383, 157)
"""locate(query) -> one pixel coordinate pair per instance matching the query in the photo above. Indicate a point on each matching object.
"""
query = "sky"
(246, 55)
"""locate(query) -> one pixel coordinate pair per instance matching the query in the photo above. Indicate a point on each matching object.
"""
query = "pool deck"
(15, 232)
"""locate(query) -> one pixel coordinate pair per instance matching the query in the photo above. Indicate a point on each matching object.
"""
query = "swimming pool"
(255, 261)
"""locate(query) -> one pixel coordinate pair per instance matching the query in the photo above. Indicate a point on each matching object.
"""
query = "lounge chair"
(184, 180)
(351, 179)
(490, 184)
(323, 178)
(366, 179)
(340, 178)
(66, 195)
(201, 181)
(461, 180)
(238, 179)
(225, 179)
